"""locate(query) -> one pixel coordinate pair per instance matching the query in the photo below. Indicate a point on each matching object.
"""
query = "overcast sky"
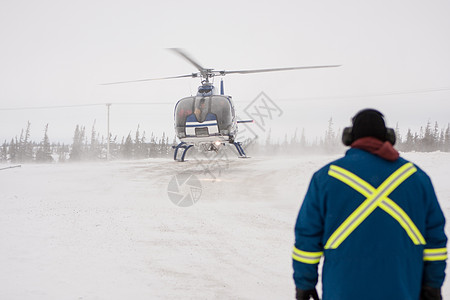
(395, 56)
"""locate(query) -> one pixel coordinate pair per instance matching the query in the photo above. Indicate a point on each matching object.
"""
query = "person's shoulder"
(419, 171)
(323, 171)
(402, 161)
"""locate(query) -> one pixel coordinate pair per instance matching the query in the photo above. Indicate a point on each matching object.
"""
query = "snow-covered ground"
(111, 231)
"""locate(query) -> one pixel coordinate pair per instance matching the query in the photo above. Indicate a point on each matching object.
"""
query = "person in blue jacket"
(375, 219)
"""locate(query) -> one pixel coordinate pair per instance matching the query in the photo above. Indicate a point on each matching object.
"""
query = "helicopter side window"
(183, 109)
(222, 109)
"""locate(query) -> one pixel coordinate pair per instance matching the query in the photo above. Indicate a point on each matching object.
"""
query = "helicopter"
(208, 120)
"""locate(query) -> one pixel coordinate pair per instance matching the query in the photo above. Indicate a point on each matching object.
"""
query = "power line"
(83, 105)
(384, 94)
(51, 107)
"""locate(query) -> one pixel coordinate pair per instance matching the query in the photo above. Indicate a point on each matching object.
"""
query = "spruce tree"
(94, 150)
(20, 148)
(428, 139)
(127, 149)
(398, 136)
(154, 147)
(303, 139)
(446, 147)
(61, 151)
(294, 140)
(77, 146)
(28, 145)
(13, 151)
(162, 145)
(436, 137)
(330, 142)
(138, 144)
(44, 153)
(409, 142)
(4, 152)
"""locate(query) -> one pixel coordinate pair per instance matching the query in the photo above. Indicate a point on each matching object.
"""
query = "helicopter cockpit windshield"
(203, 110)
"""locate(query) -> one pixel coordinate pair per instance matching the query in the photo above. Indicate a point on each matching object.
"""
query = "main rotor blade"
(193, 75)
(188, 58)
(273, 70)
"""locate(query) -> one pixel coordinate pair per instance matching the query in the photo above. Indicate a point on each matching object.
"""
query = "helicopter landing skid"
(239, 148)
(185, 148)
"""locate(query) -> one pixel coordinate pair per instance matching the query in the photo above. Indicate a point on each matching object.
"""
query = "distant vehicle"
(208, 120)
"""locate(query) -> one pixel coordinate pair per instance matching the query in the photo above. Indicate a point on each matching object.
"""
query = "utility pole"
(108, 155)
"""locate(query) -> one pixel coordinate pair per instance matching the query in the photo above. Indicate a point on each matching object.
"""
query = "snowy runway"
(110, 230)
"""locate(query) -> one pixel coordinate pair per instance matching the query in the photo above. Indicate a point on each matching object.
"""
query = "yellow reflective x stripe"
(306, 257)
(404, 220)
(374, 198)
(386, 204)
(435, 254)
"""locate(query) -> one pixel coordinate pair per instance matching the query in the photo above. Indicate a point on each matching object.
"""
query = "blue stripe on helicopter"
(211, 134)
(209, 117)
(201, 125)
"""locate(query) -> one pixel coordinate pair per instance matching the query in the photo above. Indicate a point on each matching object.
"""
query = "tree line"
(92, 146)
(85, 146)
(429, 138)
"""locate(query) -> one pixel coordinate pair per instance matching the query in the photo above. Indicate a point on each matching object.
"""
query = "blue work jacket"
(378, 238)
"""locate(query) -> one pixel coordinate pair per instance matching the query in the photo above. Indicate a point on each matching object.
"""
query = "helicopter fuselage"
(205, 119)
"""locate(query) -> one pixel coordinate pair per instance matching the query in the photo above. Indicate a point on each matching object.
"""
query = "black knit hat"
(369, 122)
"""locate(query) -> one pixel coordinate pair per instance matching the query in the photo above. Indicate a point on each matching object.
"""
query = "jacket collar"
(375, 146)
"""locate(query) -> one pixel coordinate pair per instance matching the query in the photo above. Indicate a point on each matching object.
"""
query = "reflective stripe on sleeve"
(435, 254)
(306, 257)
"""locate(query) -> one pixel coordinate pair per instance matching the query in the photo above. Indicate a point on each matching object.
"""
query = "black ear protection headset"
(348, 136)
